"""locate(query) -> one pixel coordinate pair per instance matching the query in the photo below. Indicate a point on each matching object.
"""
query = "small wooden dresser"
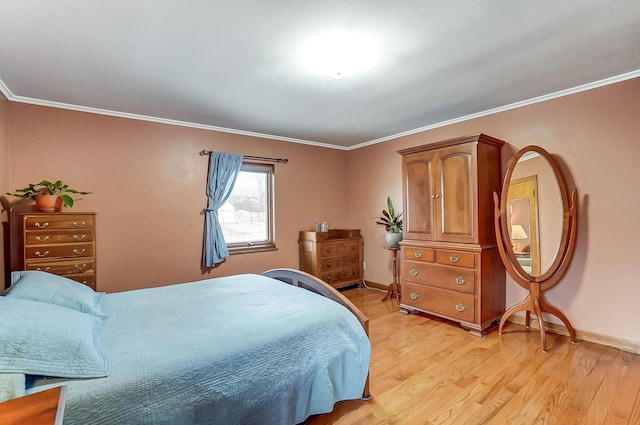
(334, 256)
(60, 243)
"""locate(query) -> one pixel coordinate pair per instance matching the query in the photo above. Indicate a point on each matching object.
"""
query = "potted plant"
(392, 223)
(48, 196)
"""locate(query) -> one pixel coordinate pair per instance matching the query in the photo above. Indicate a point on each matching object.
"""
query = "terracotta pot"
(48, 203)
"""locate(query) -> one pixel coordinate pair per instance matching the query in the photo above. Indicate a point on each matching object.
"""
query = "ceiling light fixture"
(339, 53)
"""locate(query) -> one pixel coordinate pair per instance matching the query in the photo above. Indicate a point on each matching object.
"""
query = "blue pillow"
(54, 289)
(44, 339)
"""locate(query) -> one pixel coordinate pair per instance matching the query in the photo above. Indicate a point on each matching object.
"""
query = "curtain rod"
(204, 152)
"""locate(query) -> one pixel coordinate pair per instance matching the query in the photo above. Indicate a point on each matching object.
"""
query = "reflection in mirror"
(535, 203)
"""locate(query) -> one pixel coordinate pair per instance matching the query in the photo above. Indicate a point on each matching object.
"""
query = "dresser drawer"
(338, 262)
(419, 254)
(441, 301)
(341, 275)
(88, 279)
(62, 267)
(456, 258)
(447, 277)
(58, 251)
(36, 237)
(339, 248)
(58, 221)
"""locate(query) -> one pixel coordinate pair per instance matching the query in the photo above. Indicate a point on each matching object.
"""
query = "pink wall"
(149, 188)
(594, 135)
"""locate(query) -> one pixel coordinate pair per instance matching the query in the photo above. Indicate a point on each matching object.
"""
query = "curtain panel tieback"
(223, 172)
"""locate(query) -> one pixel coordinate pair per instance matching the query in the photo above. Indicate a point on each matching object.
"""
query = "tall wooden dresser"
(334, 256)
(450, 265)
(60, 243)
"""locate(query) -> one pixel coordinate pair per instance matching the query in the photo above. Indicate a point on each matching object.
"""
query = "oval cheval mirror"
(536, 225)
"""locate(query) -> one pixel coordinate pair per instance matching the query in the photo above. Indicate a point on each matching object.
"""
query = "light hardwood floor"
(428, 371)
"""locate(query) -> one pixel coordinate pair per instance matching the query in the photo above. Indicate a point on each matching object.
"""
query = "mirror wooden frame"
(535, 302)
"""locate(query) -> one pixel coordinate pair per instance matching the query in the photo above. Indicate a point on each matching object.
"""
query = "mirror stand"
(536, 284)
(536, 304)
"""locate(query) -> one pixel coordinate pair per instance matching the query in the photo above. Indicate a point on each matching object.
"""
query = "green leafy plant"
(390, 220)
(45, 187)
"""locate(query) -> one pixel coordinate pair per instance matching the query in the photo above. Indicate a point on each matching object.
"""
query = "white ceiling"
(235, 66)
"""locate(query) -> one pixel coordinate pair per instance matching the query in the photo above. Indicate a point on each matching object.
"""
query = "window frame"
(270, 243)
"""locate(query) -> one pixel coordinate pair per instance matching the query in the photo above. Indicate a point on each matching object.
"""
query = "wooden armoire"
(450, 265)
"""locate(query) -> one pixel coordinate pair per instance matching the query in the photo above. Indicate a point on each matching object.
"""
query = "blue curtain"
(223, 171)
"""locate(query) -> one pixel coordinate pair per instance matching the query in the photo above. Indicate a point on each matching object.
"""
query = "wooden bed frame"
(42, 408)
(311, 283)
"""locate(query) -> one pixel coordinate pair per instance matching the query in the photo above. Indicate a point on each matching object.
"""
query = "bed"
(247, 349)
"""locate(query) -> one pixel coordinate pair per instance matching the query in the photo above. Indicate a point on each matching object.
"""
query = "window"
(247, 218)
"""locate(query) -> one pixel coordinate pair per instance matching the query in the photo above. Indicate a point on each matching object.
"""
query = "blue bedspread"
(243, 349)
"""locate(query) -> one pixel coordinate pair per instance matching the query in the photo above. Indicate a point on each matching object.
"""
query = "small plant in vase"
(49, 196)
(392, 223)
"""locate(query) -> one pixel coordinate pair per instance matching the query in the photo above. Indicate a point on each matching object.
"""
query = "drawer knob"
(413, 272)
(460, 280)
(460, 307)
(41, 254)
(79, 237)
(418, 254)
(79, 251)
(80, 266)
(41, 225)
(42, 238)
(46, 269)
(414, 296)
(79, 223)
(454, 258)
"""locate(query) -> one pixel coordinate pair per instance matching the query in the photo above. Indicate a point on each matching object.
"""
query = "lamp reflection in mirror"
(517, 233)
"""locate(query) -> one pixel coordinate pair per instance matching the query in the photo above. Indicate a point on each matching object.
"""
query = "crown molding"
(604, 82)
(555, 95)
(60, 105)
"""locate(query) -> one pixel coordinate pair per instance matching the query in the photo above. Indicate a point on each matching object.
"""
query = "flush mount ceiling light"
(339, 53)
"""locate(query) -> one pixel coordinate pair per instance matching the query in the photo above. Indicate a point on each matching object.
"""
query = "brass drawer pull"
(46, 269)
(79, 238)
(413, 272)
(41, 226)
(79, 223)
(414, 296)
(460, 307)
(79, 251)
(454, 258)
(42, 238)
(43, 254)
(80, 266)
(418, 254)
(460, 280)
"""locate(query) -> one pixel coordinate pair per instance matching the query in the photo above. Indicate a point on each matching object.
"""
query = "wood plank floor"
(428, 371)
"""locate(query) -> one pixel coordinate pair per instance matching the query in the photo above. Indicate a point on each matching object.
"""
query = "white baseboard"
(609, 341)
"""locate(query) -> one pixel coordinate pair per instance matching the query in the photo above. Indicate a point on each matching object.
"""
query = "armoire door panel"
(419, 187)
(456, 200)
